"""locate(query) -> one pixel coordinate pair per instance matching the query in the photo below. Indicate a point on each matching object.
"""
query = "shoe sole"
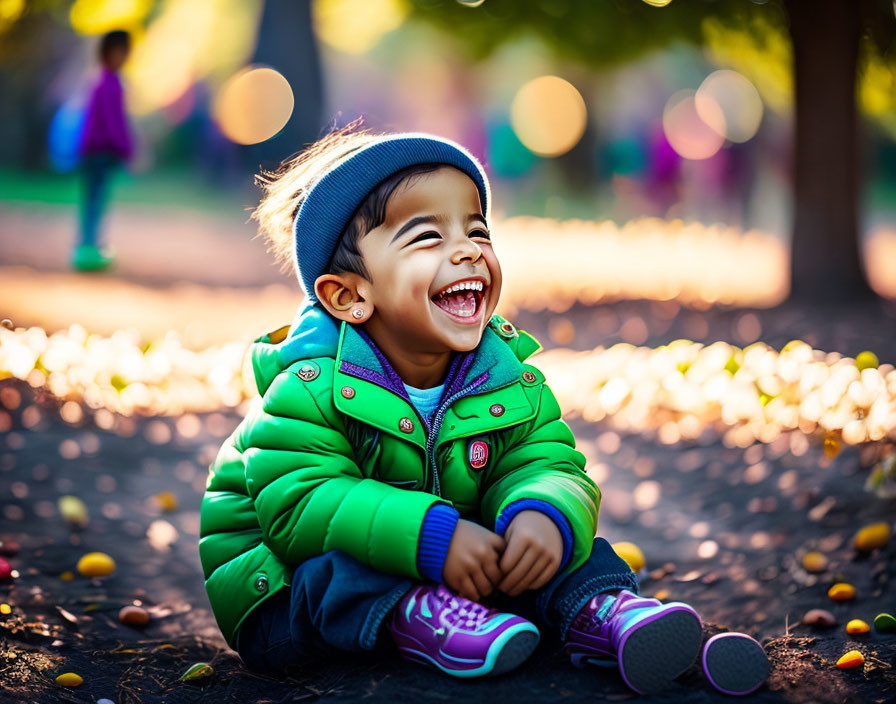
(735, 663)
(515, 652)
(510, 650)
(659, 648)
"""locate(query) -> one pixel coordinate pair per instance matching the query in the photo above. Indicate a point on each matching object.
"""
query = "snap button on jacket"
(313, 468)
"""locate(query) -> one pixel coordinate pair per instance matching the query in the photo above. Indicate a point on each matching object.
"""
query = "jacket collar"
(491, 365)
(313, 333)
(366, 387)
(494, 365)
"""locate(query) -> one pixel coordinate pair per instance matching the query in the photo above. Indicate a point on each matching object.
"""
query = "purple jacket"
(105, 124)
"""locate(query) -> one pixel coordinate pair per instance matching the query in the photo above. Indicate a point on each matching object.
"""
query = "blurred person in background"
(663, 185)
(106, 143)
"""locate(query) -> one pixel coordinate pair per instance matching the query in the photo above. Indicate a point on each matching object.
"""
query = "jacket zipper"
(433, 433)
(432, 429)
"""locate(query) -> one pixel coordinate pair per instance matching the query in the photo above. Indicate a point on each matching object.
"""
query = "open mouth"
(462, 299)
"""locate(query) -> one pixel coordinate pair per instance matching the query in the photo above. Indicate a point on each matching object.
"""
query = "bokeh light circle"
(738, 100)
(356, 26)
(657, 3)
(693, 135)
(253, 105)
(10, 11)
(99, 16)
(548, 115)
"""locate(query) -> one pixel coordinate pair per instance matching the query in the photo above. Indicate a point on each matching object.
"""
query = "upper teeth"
(471, 285)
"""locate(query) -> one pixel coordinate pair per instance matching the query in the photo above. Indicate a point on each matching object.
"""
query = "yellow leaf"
(197, 671)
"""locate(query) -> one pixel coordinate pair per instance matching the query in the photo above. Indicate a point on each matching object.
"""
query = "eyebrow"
(420, 219)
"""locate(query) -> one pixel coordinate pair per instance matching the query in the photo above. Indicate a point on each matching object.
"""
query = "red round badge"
(478, 454)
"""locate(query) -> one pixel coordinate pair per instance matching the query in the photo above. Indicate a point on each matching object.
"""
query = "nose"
(468, 250)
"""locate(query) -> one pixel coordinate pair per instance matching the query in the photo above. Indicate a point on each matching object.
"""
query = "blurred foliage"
(750, 37)
(26, 18)
(10, 11)
(877, 89)
(596, 34)
(355, 26)
(759, 48)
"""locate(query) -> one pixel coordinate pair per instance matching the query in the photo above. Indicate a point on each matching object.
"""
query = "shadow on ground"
(722, 528)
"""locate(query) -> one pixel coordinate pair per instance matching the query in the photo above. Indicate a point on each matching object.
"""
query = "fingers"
(497, 542)
(483, 585)
(518, 572)
(468, 589)
(492, 571)
(487, 573)
(512, 555)
(530, 576)
(547, 573)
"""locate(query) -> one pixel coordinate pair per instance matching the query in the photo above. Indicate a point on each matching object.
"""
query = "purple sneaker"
(651, 642)
(433, 626)
(735, 663)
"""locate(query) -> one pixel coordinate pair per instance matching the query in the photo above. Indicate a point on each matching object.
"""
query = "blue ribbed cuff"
(513, 508)
(435, 536)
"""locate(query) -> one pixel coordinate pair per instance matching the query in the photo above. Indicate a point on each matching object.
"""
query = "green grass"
(183, 189)
(164, 188)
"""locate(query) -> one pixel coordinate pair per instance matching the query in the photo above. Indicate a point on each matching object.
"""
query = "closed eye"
(480, 233)
(425, 236)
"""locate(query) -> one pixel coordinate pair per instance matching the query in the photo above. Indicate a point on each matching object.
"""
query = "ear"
(339, 294)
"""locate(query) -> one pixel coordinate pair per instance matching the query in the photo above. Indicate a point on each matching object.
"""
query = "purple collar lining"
(457, 372)
(393, 381)
(367, 374)
(454, 379)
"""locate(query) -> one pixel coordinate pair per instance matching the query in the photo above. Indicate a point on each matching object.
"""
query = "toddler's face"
(435, 280)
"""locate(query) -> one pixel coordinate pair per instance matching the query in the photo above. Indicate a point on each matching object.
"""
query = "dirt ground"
(762, 506)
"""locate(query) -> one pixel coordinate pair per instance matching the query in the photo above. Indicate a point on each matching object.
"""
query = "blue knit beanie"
(333, 199)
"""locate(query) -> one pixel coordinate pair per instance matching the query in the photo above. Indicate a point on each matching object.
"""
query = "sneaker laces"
(461, 612)
(601, 613)
(608, 609)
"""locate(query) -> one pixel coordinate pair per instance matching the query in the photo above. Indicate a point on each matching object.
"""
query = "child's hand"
(471, 566)
(533, 554)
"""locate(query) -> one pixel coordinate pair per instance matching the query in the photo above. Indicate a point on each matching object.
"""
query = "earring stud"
(358, 313)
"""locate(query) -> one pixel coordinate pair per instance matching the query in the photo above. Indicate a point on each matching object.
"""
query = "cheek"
(416, 278)
(494, 268)
(420, 290)
(408, 289)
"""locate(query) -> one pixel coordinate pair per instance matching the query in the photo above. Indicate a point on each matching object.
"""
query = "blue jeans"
(337, 603)
(96, 171)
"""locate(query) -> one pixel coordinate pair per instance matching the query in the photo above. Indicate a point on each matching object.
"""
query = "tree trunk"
(286, 42)
(825, 253)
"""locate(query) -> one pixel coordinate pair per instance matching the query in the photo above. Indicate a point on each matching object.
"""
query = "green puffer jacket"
(330, 456)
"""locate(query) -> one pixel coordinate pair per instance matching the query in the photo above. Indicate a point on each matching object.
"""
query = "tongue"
(459, 304)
